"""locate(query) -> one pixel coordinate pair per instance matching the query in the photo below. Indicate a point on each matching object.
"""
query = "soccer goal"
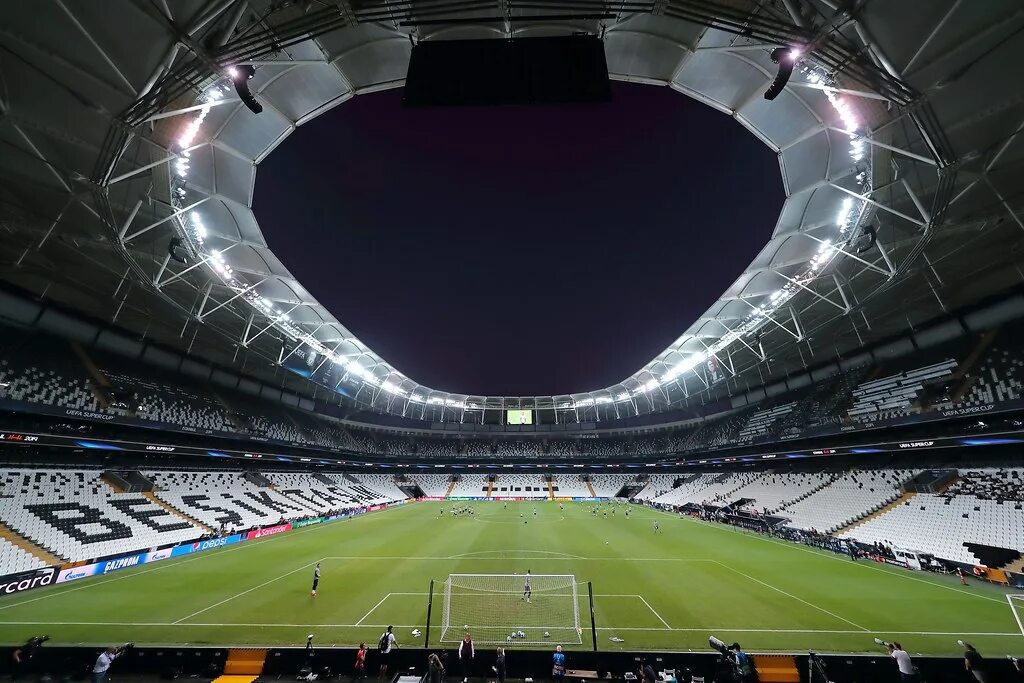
(1016, 601)
(494, 609)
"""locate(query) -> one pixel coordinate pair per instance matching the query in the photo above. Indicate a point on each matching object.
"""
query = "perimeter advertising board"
(23, 581)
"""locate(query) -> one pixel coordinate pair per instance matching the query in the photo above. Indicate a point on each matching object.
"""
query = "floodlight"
(177, 251)
(240, 76)
(786, 58)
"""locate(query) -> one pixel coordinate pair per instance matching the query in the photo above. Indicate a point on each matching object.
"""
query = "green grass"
(666, 591)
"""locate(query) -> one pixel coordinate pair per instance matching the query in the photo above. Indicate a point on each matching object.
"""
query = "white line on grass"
(250, 590)
(166, 564)
(307, 625)
(798, 599)
(642, 599)
(374, 608)
(1009, 599)
(450, 558)
(832, 556)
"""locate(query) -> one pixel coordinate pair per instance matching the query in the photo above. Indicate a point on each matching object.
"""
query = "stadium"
(205, 470)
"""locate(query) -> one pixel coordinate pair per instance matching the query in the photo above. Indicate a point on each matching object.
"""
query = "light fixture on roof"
(786, 58)
(240, 76)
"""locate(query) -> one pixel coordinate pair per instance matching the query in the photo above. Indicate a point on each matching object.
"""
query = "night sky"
(519, 250)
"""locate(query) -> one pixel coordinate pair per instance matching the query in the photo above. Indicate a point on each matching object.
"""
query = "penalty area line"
(654, 611)
(372, 609)
(250, 590)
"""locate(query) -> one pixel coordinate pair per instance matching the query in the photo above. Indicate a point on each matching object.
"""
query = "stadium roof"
(898, 142)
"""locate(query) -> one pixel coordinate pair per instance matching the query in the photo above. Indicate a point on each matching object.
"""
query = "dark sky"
(519, 250)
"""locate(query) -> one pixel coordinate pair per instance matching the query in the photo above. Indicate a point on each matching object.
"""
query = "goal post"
(496, 609)
(1016, 601)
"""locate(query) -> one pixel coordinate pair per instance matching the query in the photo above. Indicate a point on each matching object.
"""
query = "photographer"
(106, 658)
(22, 659)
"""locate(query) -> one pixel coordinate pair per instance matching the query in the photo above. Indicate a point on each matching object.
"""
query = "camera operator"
(744, 664)
(22, 659)
(106, 658)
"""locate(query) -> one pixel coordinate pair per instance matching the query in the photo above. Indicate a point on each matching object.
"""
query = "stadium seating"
(521, 486)
(941, 526)
(894, 395)
(760, 423)
(13, 559)
(433, 485)
(998, 378)
(77, 516)
(846, 498)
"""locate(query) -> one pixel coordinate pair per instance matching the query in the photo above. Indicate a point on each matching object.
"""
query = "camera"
(718, 644)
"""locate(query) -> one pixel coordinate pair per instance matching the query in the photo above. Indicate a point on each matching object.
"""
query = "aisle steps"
(776, 668)
(244, 661)
(16, 539)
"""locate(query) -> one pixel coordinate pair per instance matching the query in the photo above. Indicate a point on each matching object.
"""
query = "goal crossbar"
(511, 609)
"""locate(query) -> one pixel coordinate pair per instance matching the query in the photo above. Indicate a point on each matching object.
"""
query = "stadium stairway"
(151, 497)
(451, 487)
(776, 669)
(244, 665)
(590, 488)
(1017, 566)
(28, 546)
(877, 513)
(551, 490)
(490, 487)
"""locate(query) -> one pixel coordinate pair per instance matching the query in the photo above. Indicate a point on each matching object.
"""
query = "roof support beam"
(881, 206)
(202, 315)
(892, 148)
(160, 222)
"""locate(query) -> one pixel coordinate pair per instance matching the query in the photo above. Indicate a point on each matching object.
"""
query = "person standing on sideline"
(558, 664)
(466, 654)
(387, 643)
(974, 663)
(103, 662)
(316, 579)
(963, 577)
(359, 668)
(908, 672)
(435, 669)
(499, 666)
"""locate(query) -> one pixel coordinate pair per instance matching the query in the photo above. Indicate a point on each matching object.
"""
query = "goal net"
(494, 608)
(1016, 601)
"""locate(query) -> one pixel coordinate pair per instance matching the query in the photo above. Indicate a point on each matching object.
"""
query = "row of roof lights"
(848, 217)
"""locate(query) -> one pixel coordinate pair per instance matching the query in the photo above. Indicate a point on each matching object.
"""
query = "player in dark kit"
(316, 579)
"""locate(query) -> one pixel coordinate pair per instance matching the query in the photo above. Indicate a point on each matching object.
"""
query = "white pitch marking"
(250, 590)
(799, 599)
(374, 608)
(1009, 599)
(833, 556)
(642, 599)
(1011, 634)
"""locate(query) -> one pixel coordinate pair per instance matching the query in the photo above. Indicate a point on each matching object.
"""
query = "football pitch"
(661, 591)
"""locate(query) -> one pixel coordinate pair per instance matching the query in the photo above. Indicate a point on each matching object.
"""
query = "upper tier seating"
(760, 423)
(892, 396)
(1000, 377)
(77, 516)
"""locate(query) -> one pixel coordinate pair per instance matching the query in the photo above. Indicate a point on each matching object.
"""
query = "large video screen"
(519, 417)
